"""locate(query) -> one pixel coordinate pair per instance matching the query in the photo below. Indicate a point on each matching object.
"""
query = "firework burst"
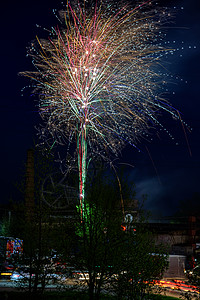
(97, 77)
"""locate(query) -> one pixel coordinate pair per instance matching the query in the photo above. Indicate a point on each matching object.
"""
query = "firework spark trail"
(186, 138)
(97, 79)
(159, 180)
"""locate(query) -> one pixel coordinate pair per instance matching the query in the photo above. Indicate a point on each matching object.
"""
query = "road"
(176, 287)
(167, 287)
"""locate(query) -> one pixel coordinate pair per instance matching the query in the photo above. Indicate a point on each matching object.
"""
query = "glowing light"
(98, 80)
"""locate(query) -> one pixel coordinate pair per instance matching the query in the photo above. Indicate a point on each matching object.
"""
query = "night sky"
(165, 169)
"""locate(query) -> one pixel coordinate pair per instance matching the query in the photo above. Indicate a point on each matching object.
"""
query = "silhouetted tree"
(109, 257)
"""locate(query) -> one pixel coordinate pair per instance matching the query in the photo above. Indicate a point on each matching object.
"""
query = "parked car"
(80, 275)
(83, 275)
(23, 275)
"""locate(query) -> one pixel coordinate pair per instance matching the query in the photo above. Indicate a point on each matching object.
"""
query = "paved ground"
(177, 288)
(168, 287)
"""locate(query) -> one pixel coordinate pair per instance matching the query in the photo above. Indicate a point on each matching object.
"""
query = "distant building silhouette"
(29, 189)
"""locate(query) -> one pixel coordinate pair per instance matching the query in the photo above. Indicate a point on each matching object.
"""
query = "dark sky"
(163, 170)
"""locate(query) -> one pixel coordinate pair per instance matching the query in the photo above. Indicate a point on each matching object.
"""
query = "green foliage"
(139, 265)
(36, 228)
(39, 235)
(126, 262)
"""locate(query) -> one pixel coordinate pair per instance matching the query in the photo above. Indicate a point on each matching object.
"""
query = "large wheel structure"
(59, 191)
